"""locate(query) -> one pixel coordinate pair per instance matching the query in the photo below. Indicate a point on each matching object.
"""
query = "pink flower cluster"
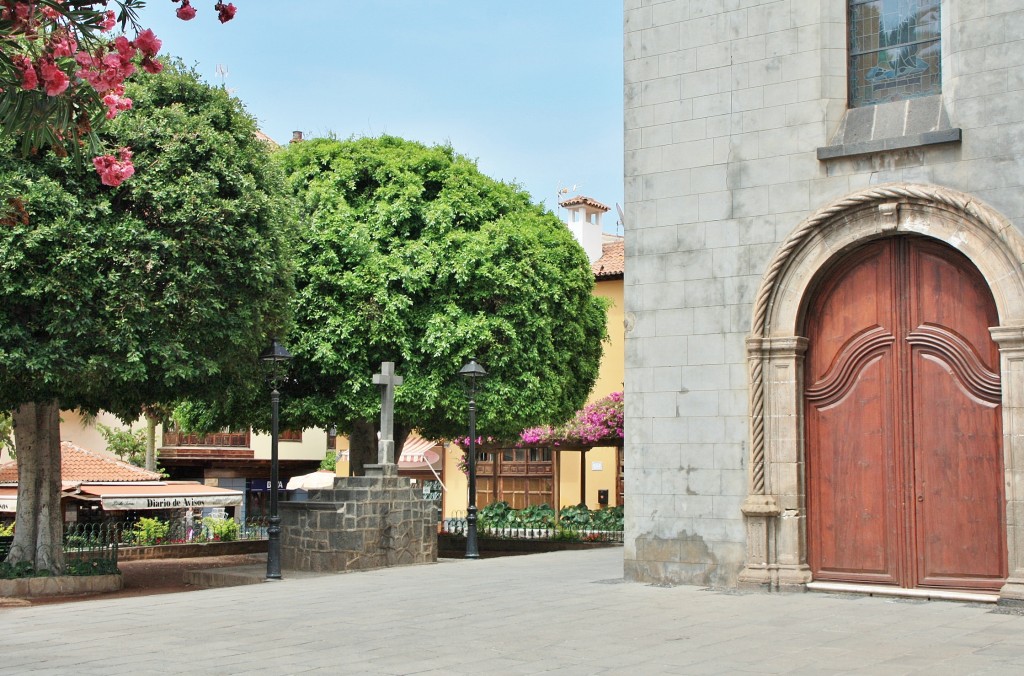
(599, 422)
(46, 56)
(114, 170)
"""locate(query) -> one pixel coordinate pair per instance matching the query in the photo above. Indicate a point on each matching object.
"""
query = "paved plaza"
(561, 613)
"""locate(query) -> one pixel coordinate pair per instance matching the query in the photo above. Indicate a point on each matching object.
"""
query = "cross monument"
(386, 380)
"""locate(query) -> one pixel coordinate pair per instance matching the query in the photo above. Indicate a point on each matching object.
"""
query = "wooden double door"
(902, 407)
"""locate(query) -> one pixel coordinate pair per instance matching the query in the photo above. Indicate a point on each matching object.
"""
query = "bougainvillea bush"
(596, 424)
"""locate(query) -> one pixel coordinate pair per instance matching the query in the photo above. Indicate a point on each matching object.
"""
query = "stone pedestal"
(360, 523)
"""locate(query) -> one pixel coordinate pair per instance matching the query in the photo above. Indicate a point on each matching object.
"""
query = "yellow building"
(534, 476)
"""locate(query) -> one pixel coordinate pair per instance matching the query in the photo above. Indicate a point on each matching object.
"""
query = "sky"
(531, 89)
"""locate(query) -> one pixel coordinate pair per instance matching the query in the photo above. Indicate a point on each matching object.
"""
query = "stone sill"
(898, 125)
(952, 135)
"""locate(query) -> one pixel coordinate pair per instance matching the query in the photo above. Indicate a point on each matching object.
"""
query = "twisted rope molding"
(766, 292)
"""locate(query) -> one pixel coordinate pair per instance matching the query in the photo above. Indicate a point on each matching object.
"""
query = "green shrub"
(99, 565)
(14, 571)
(566, 534)
(150, 531)
(7, 530)
(225, 530)
(494, 515)
(608, 518)
(534, 516)
(576, 517)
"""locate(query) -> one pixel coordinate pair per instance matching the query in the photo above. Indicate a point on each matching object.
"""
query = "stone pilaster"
(1011, 354)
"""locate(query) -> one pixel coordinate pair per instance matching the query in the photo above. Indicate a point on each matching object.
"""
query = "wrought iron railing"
(90, 549)
(147, 532)
(560, 532)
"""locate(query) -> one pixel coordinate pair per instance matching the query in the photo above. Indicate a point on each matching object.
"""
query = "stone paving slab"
(558, 613)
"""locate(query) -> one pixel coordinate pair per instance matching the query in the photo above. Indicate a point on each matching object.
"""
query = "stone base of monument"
(360, 523)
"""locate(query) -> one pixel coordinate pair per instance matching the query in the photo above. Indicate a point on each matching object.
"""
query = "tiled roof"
(79, 464)
(580, 199)
(611, 264)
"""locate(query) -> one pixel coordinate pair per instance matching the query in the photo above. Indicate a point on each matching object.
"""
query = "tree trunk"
(151, 421)
(39, 524)
(362, 445)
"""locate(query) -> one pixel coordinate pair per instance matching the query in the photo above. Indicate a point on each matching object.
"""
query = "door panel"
(903, 421)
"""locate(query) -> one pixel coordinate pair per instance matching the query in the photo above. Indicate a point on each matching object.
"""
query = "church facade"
(824, 295)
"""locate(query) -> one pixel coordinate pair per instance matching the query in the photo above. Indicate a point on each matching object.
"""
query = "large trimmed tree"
(409, 254)
(162, 288)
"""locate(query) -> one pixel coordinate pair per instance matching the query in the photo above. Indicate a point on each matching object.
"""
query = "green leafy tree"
(7, 434)
(409, 254)
(127, 445)
(162, 288)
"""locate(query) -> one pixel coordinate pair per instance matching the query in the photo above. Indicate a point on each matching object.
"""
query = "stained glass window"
(894, 50)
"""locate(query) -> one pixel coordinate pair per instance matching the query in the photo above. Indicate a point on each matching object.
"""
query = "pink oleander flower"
(226, 12)
(147, 43)
(50, 13)
(55, 80)
(186, 12)
(109, 21)
(151, 66)
(62, 43)
(114, 171)
(29, 78)
(116, 103)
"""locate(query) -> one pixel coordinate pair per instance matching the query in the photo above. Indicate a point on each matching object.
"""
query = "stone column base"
(1012, 593)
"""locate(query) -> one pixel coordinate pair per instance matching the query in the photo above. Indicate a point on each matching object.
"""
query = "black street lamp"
(473, 373)
(276, 359)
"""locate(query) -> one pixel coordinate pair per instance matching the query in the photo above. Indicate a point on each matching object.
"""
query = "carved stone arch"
(775, 508)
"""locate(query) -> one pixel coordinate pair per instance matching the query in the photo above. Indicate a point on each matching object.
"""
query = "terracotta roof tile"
(612, 262)
(79, 464)
(580, 199)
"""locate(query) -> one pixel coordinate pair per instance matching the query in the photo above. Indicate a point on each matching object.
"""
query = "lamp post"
(472, 372)
(276, 359)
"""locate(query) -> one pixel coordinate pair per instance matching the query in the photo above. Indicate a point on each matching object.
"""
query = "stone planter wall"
(191, 550)
(362, 523)
(61, 585)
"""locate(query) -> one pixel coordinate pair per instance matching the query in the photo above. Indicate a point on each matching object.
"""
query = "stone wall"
(61, 585)
(727, 105)
(362, 523)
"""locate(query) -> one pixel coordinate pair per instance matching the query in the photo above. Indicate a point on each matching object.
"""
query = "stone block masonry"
(359, 524)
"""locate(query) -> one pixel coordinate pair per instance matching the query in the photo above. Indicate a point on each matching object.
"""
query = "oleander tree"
(63, 70)
(410, 254)
(116, 298)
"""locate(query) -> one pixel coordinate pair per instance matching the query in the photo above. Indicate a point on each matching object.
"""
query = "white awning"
(308, 482)
(8, 499)
(160, 496)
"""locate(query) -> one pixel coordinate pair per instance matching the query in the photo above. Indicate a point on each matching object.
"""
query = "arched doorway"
(902, 407)
(776, 510)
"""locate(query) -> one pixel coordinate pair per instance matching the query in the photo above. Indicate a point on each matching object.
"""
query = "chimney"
(296, 137)
(583, 216)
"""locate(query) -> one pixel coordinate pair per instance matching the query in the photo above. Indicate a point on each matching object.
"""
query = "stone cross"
(387, 381)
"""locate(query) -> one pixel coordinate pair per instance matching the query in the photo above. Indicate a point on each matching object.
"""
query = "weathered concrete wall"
(363, 522)
(726, 106)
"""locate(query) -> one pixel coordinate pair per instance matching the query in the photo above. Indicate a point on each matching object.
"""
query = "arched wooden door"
(903, 421)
